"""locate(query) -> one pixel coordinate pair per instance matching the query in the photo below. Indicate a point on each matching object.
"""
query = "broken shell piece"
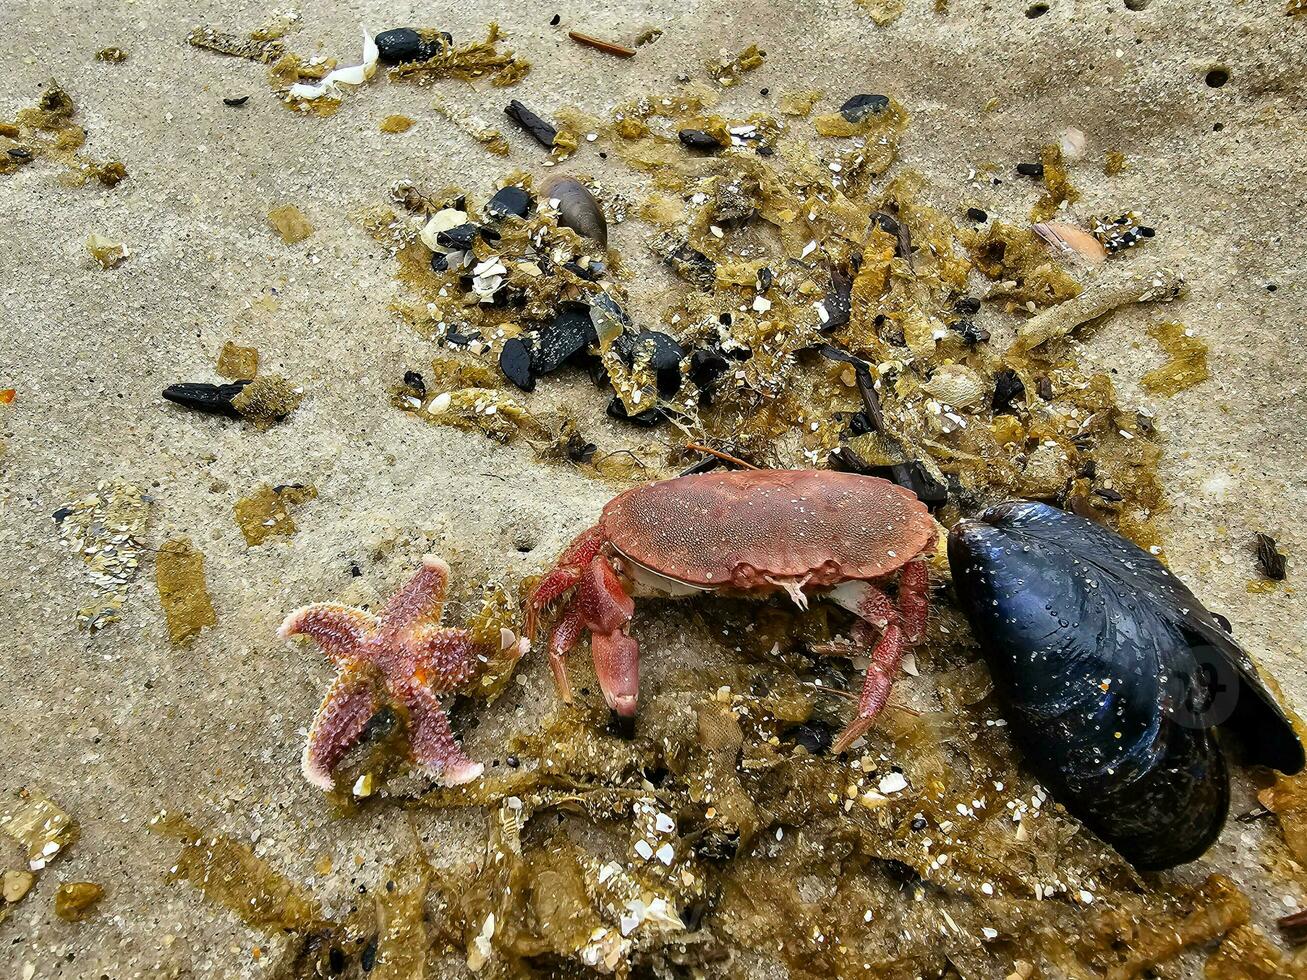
(1067, 239)
(353, 75)
(577, 207)
(1072, 144)
(956, 385)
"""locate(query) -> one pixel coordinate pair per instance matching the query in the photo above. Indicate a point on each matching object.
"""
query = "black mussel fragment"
(515, 362)
(204, 397)
(508, 202)
(577, 208)
(1035, 170)
(815, 737)
(698, 139)
(1114, 678)
(1008, 387)
(706, 367)
(838, 301)
(646, 419)
(460, 238)
(690, 264)
(403, 44)
(439, 262)
(590, 273)
(539, 130)
(415, 381)
(661, 352)
(860, 107)
(564, 339)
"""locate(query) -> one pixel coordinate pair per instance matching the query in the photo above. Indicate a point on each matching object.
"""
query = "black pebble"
(416, 382)
(1035, 170)
(1007, 388)
(509, 202)
(975, 214)
(967, 306)
(399, 45)
(697, 139)
(539, 130)
(368, 958)
(214, 399)
(61, 514)
(555, 20)
(239, 101)
(766, 151)
(918, 823)
(515, 362)
(860, 107)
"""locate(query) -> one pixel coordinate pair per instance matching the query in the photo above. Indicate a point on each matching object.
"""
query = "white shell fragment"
(353, 75)
(956, 385)
(894, 782)
(1068, 240)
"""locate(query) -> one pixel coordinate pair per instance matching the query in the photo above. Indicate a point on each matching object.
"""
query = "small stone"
(860, 107)
(508, 202)
(75, 899)
(515, 362)
(16, 885)
(1035, 170)
(697, 139)
(976, 214)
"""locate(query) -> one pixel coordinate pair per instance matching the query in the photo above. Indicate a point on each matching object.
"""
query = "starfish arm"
(340, 631)
(431, 741)
(420, 601)
(350, 702)
(444, 659)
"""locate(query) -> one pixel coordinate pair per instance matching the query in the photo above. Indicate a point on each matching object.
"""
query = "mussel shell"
(1114, 678)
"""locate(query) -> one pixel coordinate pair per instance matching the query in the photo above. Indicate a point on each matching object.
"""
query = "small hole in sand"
(1216, 77)
(1036, 10)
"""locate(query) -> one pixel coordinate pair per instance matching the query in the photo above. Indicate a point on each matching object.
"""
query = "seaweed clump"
(48, 129)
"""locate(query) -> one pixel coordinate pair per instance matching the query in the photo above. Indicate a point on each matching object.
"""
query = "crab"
(808, 533)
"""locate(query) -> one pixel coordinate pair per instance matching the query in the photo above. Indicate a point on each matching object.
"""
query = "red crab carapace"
(805, 532)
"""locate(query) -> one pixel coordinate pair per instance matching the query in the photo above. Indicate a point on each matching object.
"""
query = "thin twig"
(726, 457)
(599, 44)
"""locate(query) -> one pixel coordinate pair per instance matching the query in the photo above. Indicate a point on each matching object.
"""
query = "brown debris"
(238, 363)
(599, 44)
(183, 592)
(397, 124)
(1270, 560)
(74, 900)
(265, 513)
(289, 222)
(267, 400)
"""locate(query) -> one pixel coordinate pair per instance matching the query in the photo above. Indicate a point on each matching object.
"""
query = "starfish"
(402, 657)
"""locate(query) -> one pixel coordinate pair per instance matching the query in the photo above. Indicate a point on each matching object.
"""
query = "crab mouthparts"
(794, 587)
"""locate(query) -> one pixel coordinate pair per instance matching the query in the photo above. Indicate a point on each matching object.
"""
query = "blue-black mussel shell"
(1114, 678)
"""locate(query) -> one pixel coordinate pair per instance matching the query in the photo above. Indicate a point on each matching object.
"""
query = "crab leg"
(876, 686)
(606, 609)
(564, 575)
(561, 641)
(914, 599)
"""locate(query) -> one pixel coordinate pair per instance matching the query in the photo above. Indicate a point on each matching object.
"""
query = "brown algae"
(183, 592)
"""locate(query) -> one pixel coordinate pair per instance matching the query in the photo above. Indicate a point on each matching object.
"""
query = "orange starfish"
(403, 657)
